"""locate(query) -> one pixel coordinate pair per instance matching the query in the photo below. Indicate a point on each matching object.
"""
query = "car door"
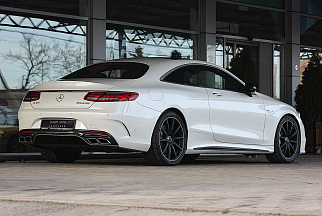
(185, 90)
(235, 117)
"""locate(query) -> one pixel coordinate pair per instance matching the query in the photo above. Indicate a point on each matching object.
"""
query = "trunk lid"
(70, 94)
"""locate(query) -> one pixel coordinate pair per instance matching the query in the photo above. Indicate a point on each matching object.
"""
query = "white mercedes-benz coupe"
(169, 109)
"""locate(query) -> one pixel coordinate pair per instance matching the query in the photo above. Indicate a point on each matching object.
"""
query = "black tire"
(60, 155)
(169, 141)
(287, 141)
(190, 157)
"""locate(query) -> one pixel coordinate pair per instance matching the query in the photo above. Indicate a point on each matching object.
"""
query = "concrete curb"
(223, 211)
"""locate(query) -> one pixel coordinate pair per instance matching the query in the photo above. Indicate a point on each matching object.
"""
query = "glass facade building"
(42, 40)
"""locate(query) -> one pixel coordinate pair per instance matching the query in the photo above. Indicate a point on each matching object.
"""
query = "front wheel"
(60, 155)
(169, 141)
(287, 141)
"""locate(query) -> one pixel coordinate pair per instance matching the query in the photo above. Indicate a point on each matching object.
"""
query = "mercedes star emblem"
(60, 97)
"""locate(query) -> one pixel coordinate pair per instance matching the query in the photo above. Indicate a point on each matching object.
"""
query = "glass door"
(241, 58)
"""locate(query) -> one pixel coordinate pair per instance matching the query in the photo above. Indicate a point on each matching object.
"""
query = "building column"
(292, 49)
(265, 68)
(96, 32)
(207, 31)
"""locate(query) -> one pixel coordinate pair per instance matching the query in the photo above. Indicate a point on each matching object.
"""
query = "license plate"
(58, 124)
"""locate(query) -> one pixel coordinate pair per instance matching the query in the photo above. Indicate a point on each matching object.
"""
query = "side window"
(184, 75)
(218, 79)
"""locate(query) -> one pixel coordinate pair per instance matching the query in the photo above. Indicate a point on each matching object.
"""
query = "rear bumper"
(131, 125)
(85, 140)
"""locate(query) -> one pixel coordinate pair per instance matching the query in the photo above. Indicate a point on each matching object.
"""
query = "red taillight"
(26, 131)
(31, 96)
(110, 96)
(96, 133)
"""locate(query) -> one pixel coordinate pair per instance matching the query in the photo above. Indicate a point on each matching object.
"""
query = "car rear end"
(83, 111)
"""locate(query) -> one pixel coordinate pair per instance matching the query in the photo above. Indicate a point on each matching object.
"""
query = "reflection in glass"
(311, 31)
(70, 7)
(244, 63)
(175, 14)
(313, 7)
(277, 73)
(249, 22)
(272, 3)
(229, 53)
(220, 51)
(305, 56)
(233, 48)
(133, 43)
(33, 50)
(31, 56)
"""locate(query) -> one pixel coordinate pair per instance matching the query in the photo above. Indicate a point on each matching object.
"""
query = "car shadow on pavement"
(138, 160)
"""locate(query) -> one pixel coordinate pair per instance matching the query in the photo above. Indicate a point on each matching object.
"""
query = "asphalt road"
(221, 185)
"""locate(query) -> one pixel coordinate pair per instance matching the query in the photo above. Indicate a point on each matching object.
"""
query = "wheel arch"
(297, 122)
(294, 117)
(177, 111)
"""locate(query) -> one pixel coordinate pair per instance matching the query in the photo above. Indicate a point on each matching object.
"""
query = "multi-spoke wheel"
(287, 141)
(169, 141)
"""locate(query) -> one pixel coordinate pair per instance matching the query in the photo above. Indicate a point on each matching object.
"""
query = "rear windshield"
(121, 70)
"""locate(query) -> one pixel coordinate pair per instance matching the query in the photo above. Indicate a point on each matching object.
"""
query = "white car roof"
(160, 66)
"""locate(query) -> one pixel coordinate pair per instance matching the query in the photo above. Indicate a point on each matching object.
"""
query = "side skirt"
(225, 149)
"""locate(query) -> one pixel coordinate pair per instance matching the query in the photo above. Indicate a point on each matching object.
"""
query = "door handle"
(217, 94)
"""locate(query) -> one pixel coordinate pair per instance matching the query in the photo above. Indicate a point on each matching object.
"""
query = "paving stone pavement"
(218, 185)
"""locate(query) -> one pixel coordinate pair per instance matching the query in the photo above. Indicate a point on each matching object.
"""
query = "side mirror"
(250, 88)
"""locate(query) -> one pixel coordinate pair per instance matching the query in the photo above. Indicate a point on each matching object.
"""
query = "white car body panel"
(221, 125)
(275, 110)
(236, 117)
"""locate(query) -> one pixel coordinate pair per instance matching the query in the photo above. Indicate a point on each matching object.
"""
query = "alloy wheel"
(289, 138)
(171, 139)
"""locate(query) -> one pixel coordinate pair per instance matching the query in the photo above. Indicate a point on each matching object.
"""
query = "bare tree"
(44, 59)
(68, 58)
(33, 57)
